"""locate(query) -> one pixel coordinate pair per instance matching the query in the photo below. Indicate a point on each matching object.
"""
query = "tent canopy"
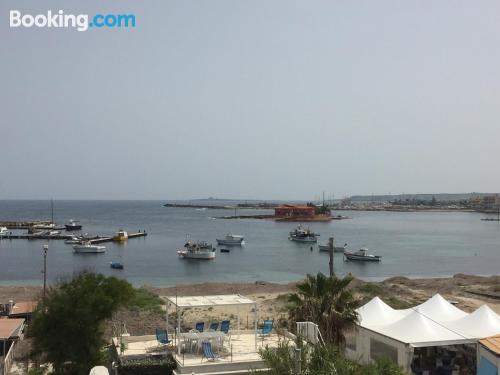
(216, 300)
(432, 323)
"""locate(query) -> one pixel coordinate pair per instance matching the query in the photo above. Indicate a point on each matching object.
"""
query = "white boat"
(88, 248)
(361, 255)
(231, 239)
(4, 232)
(197, 250)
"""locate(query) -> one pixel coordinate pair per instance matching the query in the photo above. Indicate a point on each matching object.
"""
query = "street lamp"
(45, 249)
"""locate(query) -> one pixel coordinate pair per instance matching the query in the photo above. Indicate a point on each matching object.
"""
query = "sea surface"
(413, 244)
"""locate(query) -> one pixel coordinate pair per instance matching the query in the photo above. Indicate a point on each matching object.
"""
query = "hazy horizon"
(252, 100)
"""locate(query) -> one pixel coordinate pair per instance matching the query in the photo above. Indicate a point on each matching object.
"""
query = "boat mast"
(52, 210)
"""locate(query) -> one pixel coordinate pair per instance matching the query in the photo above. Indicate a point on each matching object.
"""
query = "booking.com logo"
(79, 22)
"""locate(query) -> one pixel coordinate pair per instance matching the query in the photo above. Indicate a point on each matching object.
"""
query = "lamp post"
(45, 249)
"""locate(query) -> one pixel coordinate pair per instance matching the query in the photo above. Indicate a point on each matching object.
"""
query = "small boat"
(73, 225)
(116, 265)
(53, 233)
(224, 250)
(336, 249)
(197, 250)
(231, 239)
(303, 235)
(88, 248)
(4, 232)
(120, 236)
(362, 256)
(73, 240)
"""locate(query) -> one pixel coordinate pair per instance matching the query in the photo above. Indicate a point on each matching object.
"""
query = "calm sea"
(411, 244)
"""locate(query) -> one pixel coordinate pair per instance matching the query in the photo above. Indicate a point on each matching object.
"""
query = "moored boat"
(88, 248)
(73, 225)
(303, 235)
(120, 236)
(4, 232)
(197, 250)
(361, 255)
(116, 265)
(231, 239)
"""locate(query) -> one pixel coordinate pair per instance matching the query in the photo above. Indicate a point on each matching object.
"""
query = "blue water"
(411, 244)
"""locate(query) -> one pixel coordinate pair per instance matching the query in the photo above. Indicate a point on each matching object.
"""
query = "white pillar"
(238, 313)
(166, 313)
(178, 330)
(255, 323)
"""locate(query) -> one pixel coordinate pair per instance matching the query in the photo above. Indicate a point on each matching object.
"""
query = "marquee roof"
(432, 323)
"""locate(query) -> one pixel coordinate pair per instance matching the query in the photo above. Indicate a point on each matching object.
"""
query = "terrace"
(236, 349)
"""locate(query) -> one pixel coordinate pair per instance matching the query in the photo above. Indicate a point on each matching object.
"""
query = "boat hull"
(230, 242)
(304, 240)
(69, 228)
(89, 249)
(361, 258)
(205, 255)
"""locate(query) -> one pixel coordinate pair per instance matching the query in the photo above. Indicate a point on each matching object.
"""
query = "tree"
(68, 326)
(321, 360)
(327, 302)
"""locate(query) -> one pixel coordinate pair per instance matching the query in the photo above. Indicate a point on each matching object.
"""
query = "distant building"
(490, 202)
(294, 211)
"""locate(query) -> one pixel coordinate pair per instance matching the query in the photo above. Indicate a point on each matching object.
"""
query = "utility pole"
(45, 249)
(330, 252)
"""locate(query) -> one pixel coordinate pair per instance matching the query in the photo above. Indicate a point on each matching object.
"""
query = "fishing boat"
(231, 239)
(116, 265)
(73, 225)
(4, 232)
(88, 248)
(361, 255)
(120, 236)
(303, 235)
(197, 250)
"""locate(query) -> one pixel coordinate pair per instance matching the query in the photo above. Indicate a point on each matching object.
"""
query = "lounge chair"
(266, 329)
(162, 336)
(207, 352)
(214, 326)
(200, 326)
(224, 326)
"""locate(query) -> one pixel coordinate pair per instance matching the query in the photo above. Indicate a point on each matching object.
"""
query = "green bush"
(164, 366)
(145, 300)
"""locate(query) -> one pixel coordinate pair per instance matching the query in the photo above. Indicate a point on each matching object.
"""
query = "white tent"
(384, 331)
(418, 330)
(481, 323)
(377, 312)
(440, 310)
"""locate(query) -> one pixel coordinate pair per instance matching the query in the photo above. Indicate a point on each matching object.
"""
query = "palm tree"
(327, 302)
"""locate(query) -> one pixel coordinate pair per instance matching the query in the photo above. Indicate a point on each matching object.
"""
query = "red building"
(294, 211)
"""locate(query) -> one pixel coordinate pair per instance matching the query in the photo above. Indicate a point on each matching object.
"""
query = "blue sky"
(252, 99)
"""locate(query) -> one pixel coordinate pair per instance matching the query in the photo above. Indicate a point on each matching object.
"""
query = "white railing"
(7, 362)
